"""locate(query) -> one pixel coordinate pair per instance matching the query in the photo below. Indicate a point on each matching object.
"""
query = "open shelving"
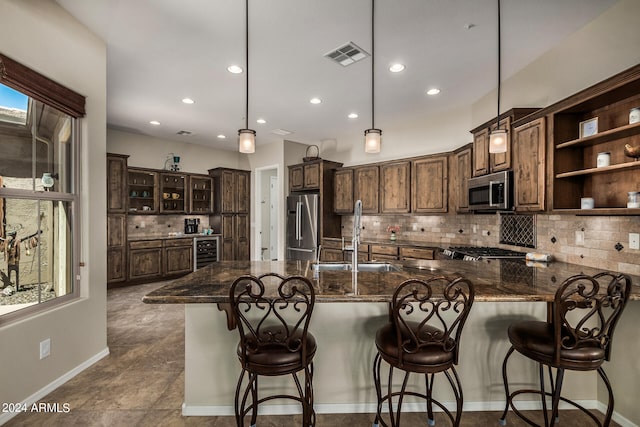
(575, 174)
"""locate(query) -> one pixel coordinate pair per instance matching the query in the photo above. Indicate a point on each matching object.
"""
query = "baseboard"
(370, 408)
(617, 417)
(5, 417)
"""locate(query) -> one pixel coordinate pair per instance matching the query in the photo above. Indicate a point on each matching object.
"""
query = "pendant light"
(373, 136)
(246, 136)
(498, 137)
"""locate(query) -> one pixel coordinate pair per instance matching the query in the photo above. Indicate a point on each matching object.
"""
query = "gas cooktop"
(474, 253)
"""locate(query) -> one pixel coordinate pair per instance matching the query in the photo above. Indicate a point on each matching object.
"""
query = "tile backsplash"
(582, 240)
(160, 225)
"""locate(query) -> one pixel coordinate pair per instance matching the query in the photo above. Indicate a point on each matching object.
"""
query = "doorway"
(268, 211)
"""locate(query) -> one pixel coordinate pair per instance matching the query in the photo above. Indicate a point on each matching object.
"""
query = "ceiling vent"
(281, 132)
(347, 54)
(184, 132)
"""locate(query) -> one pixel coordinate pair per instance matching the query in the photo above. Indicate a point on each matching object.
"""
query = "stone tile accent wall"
(601, 234)
(161, 225)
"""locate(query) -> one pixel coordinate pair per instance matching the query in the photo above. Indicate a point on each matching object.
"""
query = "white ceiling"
(160, 51)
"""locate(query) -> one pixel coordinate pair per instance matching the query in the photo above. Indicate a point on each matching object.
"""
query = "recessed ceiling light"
(188, 101)
(154, 122)
(396, 68)
(433, 91)
(353, 116)
(315, 100)
(235, 69)
(221, 136)
(261, 121)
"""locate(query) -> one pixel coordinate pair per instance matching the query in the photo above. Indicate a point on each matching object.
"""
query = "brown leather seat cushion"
(432, 358)
(535, 340)
(277, 359)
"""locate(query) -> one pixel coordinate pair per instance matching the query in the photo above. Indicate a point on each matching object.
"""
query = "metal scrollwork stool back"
(578, 337)
(272, 313)
(423, 337)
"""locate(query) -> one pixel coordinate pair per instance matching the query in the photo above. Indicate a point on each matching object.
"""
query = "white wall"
(40, 35)
(149, 152)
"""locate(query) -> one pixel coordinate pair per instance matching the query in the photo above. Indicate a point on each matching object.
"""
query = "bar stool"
(423, 336)
(272, 313)
(578, 338)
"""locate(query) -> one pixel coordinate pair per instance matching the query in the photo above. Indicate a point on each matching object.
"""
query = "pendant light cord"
(499, 68)
(373, 97)
(246, 27)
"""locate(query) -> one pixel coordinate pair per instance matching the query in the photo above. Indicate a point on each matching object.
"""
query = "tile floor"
(141, 382)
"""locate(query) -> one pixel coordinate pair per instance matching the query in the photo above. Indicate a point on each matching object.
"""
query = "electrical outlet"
(45, 348)
(142, 224)
(485, 232)
(634, 240)
(580, 238)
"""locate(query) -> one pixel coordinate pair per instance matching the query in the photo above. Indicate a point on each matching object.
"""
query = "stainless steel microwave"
(493, 192)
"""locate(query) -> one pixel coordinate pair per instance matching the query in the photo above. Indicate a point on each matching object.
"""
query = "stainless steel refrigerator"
(302, 226)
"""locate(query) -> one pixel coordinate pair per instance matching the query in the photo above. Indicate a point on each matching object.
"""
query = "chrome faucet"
(357, 219)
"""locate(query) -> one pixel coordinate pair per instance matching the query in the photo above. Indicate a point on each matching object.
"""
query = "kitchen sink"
(363, 267)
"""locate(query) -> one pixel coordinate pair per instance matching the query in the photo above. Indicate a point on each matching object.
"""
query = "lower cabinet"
(407, 252)
(145, 260)
(158, 259)
(116, 248)
(178, 257)
(383, 252)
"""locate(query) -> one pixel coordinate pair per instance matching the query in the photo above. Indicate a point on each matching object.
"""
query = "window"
(39, 168)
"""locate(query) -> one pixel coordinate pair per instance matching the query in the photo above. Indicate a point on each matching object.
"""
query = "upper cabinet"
(173, 188)
(309, 176)
(200, 194)
(232, 190)
(429, 184)
(597, 120)
(143, 191)
(343, 191)
(529, 161)
(365, 187)
(460, 172)
(395, 188)
(485, 162)
(116, 183)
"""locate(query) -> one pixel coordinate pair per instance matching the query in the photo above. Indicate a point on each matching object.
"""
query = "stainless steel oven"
(493, 192)
(206, 250)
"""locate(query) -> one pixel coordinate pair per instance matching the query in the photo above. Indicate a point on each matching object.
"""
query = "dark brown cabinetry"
(116, 183)
(145, 260)
(575, 173)
(318, 177)
(173, 189)
(429, 184)
(485, 162)
(142, 191)
(343, 191)
(200, 194)
(407, 252)
(459, 182)
(529, 161)
(365, 185)
(395, 189)
(178, 257)
(384, 252)
(232, 191)
(116, 218)
(116, 248)
(307, 176)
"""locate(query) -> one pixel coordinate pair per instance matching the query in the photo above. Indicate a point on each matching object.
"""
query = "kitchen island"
(506, 291)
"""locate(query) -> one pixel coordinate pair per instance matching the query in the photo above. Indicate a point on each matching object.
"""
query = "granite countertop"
(400, 242)
(494, 280)
(138, 237)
